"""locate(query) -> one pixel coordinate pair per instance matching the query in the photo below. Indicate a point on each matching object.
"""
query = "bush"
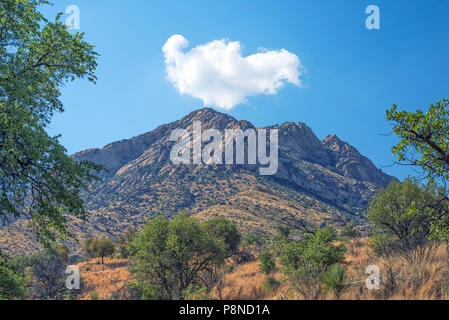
(304, 262)
(172, 257)
(12, 280)
(402, 216)
(124, 242)
(335, 279)
(222, 228)
(252, 239)
(267, 264)
(271, 283)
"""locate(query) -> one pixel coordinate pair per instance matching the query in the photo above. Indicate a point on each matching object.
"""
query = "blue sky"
(352, 74)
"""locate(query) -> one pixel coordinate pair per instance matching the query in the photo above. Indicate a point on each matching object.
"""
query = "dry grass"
(399, 280)
(103, 280)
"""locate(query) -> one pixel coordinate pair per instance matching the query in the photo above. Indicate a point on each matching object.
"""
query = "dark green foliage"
(283, 232)
(403, 217)
(98, 248)
(12, 279)
(304, 262)
(349, 232)
(424, 144)
(271, 283)
(125, 240)
(37, 178)
(424, 138)
(172, 258)
(252, 239)
(222, 228)
(267, 264)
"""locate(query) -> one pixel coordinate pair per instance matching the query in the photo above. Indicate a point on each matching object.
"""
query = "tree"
(12, 282)
(38, 180)
(306, 261)
(267, 264)
(222, 228)
(424, 138)
(99, 248)
(403, 220)
(174, 257)
(424, 144)
(125, 240)
(48, 270)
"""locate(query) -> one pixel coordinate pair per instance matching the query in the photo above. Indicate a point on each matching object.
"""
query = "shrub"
(335, 279)
(304, 262)
(222, 228)
(267, 264)
(172, 257)
(403, 215)
(271, 283)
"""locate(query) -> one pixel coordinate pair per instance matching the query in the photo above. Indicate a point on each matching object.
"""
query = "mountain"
(317, 182)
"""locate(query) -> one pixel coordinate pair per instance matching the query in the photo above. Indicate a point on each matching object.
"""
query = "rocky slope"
(317, 182)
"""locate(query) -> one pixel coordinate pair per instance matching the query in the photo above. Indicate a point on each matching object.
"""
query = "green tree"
(174, 257)
(304, 262)
(222, 228)
(37, 178)
(424, 138)
(99, 248)
(424, 143)
(283, 232)
(267, 264)
(403, 220)
(12, 282)
(125, 240)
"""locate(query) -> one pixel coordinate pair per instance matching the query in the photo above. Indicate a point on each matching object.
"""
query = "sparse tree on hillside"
(99, 248)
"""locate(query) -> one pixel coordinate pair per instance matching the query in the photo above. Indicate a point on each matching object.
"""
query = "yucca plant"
(335, 279)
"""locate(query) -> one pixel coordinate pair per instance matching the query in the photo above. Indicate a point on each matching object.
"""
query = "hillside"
(318, 182)
(245, 281)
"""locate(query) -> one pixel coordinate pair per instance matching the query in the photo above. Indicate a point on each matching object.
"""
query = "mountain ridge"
(324, 182)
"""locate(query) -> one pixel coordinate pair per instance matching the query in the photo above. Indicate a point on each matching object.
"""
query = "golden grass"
(104, 280)
(399, 279)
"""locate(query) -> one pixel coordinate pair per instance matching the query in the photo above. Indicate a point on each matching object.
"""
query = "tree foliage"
(172, 258)
(37, 178)
(222, 228)
(304, 262)
(99, 248)
(404, 216)
(424, 138)
(12, 282)
(267, 264)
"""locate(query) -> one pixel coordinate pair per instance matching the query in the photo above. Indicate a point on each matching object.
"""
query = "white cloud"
(217, 73)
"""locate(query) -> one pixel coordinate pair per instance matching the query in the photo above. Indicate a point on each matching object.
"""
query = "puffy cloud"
(217, 73)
